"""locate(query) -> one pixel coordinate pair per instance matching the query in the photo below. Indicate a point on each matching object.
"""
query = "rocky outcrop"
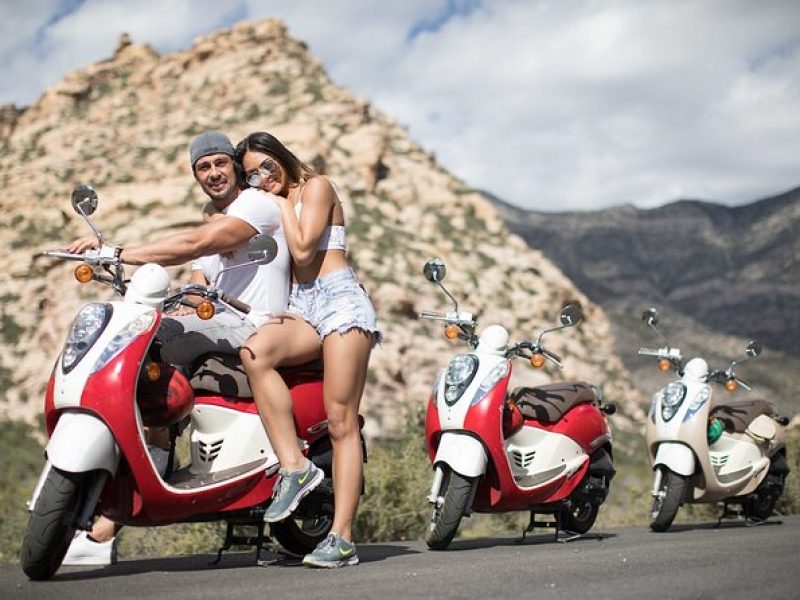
(124, 124)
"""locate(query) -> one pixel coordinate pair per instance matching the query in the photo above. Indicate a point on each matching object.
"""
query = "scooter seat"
(549, 403)
(224, 374)
(736, 416)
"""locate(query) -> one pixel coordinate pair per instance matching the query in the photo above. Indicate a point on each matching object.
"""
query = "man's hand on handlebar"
(81, 245)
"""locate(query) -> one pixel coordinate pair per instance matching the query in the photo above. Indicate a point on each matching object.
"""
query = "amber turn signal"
(537, 360)
(153, 371)
(84, 273)
(663, 364)
(730, 385)
(451, 332)
(205, 310)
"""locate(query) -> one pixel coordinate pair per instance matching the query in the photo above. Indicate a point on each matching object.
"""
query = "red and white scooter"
(109, 383)
(541, 449)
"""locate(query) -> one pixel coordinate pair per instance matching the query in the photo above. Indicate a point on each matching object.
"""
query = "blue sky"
(549, 104)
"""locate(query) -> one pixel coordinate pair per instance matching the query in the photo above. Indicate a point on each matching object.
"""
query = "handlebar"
(235, 303)
(457, 318)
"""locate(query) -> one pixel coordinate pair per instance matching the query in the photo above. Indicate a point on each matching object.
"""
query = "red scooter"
(541, 449)
(109, 383)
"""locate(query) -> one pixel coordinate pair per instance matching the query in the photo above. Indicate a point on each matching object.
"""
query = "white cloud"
(550, 104)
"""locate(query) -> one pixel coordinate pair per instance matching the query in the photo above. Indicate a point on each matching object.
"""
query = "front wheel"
(671, 493)
(458, 491)
(51, 525)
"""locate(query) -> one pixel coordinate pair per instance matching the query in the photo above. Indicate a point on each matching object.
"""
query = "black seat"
(548, 403)
(738, 415)
(224, 374)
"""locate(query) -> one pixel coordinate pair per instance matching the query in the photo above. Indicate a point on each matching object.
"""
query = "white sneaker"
(83, 551)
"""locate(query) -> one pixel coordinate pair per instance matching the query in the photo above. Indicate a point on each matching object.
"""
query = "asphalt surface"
(690, 561)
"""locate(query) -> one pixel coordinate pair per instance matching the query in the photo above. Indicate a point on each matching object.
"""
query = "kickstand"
(739, 513)
(560, 534)
(244, 540)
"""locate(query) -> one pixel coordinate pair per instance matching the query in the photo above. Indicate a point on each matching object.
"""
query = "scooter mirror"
(84, 200)
(753, 349)
(650, 316)
(262, 249)
(571, 315)
(434, 270)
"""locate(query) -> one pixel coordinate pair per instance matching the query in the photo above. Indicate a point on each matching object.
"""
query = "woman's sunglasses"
(266, 170)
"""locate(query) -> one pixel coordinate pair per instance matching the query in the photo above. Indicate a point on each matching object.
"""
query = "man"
(217, 244)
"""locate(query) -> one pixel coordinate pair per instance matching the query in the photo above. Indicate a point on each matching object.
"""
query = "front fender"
(462, 453)
(82, 442)
(678, 458)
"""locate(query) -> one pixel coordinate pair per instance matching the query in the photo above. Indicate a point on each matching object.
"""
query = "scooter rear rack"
(560, 534)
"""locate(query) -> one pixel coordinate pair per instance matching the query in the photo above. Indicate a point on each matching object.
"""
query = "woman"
(329, 312)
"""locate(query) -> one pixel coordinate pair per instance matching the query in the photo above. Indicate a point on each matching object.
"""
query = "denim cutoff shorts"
(335, 302)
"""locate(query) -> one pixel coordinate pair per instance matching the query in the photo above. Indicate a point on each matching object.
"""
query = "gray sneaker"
(332, 552)
(290, 489)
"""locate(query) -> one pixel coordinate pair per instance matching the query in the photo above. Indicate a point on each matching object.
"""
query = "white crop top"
(333, 238)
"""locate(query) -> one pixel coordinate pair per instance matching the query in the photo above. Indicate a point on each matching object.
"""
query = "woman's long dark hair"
(261, 141)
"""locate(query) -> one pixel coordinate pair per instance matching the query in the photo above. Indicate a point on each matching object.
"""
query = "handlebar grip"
(237, 304)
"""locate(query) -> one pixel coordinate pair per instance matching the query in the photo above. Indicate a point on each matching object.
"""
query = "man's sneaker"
(332, 552)
(85, 551)
(290, 489)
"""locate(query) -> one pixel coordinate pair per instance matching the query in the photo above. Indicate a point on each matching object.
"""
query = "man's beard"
(222, 196)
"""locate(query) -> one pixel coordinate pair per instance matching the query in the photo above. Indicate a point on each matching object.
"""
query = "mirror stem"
(444, 289)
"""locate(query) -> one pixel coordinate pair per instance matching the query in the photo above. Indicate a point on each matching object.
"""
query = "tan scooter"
(705, 451)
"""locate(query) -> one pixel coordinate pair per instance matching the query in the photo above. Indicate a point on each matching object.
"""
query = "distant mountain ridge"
(734, 269)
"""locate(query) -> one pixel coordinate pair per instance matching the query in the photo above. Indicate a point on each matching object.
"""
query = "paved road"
(697, 561)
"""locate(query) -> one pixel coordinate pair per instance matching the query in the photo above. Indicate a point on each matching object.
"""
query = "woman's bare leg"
(285, 341)
(343, 388)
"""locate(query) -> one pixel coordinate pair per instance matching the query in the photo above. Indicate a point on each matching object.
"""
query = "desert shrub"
(23, 460)
(397, 476)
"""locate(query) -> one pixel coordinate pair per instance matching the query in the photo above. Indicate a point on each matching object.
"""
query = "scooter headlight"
(671, 398)
(458, 376)
(495, 375)
(133, 329)
(696, 404)
(89, 323)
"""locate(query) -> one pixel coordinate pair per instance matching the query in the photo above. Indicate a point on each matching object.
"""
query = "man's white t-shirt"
(264, 287)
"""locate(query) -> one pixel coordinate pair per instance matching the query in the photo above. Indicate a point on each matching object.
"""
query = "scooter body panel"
(82, 442)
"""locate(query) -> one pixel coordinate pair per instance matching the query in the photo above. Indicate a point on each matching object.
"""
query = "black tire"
(51, 525)
(446, 518)
(762, 507)
(769, 492)
(580, 517)
(665, 508)
(301, 536)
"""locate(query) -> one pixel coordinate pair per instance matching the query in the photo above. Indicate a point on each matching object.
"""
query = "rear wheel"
(769, 492)
(458, 491)
(580, 517)
(300, 536)
(670, 495)
(51, 525)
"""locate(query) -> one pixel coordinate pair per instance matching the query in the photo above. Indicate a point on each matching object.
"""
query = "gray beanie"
(209, 142)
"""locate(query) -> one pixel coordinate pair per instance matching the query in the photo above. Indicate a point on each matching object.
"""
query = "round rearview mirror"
(434, 270)
(262, 249)
(571, 315)
(650, 316)
(84, 200)
(753, 349)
